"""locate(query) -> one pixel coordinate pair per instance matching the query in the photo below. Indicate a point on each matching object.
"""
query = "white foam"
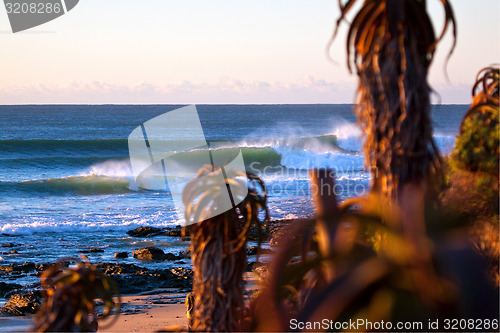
(348, 136)
(305, 160)
(30, 227)
(445, 143)
(115, 169)
(111, 168)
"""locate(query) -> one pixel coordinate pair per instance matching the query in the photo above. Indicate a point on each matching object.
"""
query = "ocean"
(66, 183)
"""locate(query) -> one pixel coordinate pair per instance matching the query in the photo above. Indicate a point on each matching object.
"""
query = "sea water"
(66, 183)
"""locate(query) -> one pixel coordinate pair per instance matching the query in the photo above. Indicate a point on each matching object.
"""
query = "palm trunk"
(394, 110)
(393, 42)
(218, 249)
(218, 274)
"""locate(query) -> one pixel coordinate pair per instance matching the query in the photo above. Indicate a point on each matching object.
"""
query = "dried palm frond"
(485, 94)
(391, 43)
(70, 296)
(488, 80)
(218, 248)
(368, 271)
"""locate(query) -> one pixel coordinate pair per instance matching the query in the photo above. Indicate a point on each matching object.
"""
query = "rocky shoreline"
(24, 299)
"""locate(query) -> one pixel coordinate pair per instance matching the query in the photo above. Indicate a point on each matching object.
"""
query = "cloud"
(226, 90)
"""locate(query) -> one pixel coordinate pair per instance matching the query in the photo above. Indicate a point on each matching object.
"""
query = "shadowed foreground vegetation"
(218, 248)
(70, 295)
(402, 253)
(473, 179)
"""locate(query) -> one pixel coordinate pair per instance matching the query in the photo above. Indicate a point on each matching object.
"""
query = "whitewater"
(66, 181)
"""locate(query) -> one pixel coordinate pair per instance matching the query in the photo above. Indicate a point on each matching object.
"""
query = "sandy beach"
(141, 314)
(148, 312)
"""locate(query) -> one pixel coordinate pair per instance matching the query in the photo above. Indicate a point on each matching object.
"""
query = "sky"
(216, 52)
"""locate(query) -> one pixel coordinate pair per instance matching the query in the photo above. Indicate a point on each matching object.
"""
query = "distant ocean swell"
(68, 148)
(81, 185)
(13, 149)
(99, 167)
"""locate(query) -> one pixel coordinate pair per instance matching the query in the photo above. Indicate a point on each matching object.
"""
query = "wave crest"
(81, 185)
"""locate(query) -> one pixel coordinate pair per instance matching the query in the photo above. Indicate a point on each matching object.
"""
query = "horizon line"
(183, 104)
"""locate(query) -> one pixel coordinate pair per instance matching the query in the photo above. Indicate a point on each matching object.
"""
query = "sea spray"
(65, 168)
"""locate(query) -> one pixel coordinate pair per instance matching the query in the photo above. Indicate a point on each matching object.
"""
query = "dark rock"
(279, 231)
(171, 256)
(128, 284)
(17, 268)
(254, 234)
(153, 253)
(121, 255)
(112, 268)
(264, 233)
(129, 278)
(151, 280)
(152, 231)
(43, 267)
(173, 233)
(176, 232)
(22, 304)
(262, 271)
(183, 273)
(255, 266)
(6, 269)
(8, 245)
(25, 267)
(91, 250)
(148, 253)
(144, 231)
(252, 250)
(159, 302)
(8, 287)
(35, 287)
(250, 266)
(186, 253)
